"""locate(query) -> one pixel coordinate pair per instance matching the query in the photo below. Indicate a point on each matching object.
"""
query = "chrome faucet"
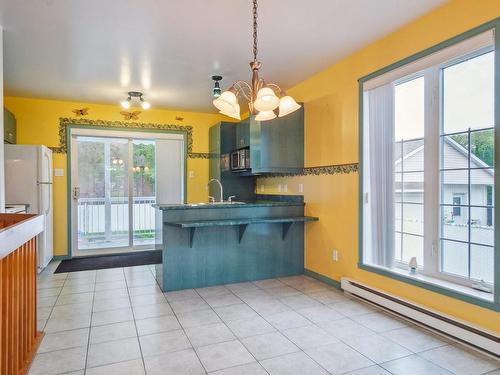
(220, 186)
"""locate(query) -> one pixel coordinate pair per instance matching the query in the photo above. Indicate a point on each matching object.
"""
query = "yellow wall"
(38, 123)
(331, 137)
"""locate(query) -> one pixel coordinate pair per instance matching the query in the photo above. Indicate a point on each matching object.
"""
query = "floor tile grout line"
(90, 332)
(438, 365)
(234, 334)
(290, 340)
(371, 360)
(184, 331)
(277, 330)
(182, 327)
(52, 308)
(299, 327)
(414, 354)
(135, 324)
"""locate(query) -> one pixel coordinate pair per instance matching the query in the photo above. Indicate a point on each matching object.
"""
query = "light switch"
(58, 172)
(191, 174)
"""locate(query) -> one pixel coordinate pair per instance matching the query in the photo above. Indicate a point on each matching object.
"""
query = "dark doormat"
(100, 262)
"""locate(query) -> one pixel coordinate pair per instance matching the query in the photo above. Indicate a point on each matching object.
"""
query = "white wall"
(2, 173)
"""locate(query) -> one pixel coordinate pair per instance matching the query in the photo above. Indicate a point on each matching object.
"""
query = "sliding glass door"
(114, 185)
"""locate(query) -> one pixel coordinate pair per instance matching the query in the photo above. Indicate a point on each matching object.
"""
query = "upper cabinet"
(9, 127)
(222, 141)
(240, 151)
(277, 146)
(243, 134)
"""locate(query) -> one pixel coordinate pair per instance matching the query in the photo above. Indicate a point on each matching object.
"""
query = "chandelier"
(263, 98)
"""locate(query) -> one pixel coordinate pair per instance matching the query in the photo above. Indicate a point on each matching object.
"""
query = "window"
(428, 164)
(457, 203)
(409, 169)
(467, 169)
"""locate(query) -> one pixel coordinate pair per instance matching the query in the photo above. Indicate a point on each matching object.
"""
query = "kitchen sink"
(215, 203)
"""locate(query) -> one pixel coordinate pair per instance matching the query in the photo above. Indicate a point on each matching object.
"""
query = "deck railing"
(92, 214)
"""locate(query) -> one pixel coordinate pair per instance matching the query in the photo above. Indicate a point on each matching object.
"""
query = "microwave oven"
(240, 160)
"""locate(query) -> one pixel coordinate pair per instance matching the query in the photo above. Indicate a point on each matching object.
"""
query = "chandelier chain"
(254, 30)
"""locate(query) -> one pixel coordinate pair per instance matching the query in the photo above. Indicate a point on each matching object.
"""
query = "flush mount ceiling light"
(135, 94)
(216, 90)
(263, 98)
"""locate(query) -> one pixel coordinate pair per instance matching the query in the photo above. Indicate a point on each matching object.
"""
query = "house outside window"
(428, 164)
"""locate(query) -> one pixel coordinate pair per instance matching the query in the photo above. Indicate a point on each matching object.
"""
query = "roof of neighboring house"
(412, 150)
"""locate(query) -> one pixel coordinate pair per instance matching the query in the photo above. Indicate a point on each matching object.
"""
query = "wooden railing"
(19, 338)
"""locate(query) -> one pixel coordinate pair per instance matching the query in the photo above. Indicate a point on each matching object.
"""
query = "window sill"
(476, 297)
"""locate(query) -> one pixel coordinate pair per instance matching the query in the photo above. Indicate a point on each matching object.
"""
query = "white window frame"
(432, 73)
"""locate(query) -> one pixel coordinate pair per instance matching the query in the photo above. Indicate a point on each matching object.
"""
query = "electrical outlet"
(335, 255)
(285, 188)
(262, 188)
(301, 188)
(191, 174)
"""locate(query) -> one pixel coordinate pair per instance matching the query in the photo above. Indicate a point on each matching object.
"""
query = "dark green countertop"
(257, 203)
(228, 222)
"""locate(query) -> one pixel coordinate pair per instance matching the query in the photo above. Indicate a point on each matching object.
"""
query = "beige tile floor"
(117, 321)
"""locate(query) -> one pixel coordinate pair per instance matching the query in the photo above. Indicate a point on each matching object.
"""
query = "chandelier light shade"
(265, 115)
(287, 105)
(266, 100)
(263, 98)
(226, 102)
(234, 113)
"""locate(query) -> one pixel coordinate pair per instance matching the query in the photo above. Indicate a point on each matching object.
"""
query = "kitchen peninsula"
(221, 243)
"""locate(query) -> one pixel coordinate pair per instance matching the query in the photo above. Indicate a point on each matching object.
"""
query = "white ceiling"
(97, 50)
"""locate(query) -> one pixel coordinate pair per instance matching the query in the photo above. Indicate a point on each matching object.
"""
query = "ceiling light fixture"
(216, 90)
(263, 98)
(135, 94)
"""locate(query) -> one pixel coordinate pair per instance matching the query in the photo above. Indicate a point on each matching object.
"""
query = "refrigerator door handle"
(43, 183)
(50, 200)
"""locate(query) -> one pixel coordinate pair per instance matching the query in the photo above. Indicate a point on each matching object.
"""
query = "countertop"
(229, 222)
(257, 203)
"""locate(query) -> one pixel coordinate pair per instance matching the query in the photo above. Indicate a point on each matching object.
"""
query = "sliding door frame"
(98, 132)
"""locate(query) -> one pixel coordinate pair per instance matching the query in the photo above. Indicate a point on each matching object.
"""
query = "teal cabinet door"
(277, 146)
(214, 161)
(9, 127)
(222, 141)
(243, 134)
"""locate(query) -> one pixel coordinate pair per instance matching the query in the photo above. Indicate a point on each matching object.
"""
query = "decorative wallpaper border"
(318, 171)
(200, 155)
(65, 122)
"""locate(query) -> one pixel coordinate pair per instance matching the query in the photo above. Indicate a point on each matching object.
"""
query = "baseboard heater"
(472, 336)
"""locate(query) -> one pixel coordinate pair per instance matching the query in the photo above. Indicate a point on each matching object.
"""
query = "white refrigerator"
(28, 180)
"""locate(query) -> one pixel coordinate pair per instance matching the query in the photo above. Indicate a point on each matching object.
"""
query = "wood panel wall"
(19, 337)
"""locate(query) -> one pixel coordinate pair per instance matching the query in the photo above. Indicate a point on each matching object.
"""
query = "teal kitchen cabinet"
(243, 134)
(222, 141)
(277, 146)
(9, 127)
(214, 155)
